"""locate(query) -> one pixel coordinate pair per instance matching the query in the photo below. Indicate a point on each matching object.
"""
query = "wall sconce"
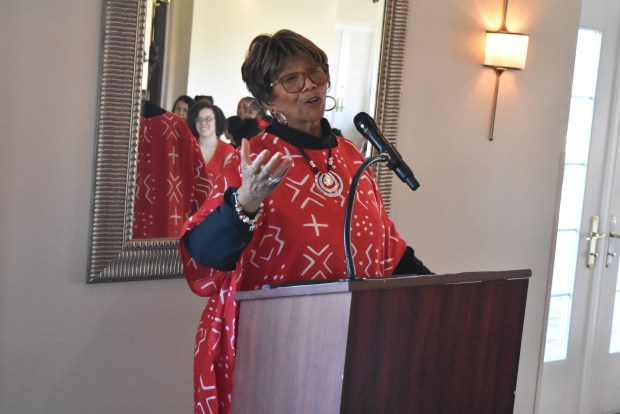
(504, 50)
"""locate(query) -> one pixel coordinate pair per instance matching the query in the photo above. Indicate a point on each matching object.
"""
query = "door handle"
(610, 244)
(593, 239)
(339, 104)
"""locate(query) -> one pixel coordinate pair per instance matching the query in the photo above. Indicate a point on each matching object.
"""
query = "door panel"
(580, 374)
(353, 77)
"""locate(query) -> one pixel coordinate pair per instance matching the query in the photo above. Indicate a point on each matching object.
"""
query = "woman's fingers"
(260, 177)
(258, 165)
(247, 164)
(262, 174)
(271, 165)
(245, 153)
(281, 169)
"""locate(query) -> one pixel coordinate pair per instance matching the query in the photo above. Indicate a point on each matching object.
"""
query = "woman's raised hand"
(259, 177)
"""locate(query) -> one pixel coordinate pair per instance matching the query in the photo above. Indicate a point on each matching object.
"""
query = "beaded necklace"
(328, 183)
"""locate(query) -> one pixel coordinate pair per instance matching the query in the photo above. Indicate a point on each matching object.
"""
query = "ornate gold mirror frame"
(114, 256)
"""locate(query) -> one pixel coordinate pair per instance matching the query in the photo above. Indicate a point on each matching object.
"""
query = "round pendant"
(328, 180)
(329, 183)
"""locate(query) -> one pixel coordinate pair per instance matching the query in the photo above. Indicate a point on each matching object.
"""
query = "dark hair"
(337, 131)
(232, 122)
(189, 101)
(245, 128)
(201, 98)
(266, 55)
(220, 119)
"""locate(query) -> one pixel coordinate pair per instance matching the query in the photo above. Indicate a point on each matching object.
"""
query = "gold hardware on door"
(339, 105)
(594, 236)
(610, 244)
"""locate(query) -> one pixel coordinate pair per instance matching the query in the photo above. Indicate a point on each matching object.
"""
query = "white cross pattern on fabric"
(174, 189)
(291, 156)
(175, 217)
(173, 155)
(313, 261)
(315, 225)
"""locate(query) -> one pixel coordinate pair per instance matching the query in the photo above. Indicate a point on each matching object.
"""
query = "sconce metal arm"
(498, 73)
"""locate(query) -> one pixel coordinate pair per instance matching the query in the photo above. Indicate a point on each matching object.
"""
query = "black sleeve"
(220, 239)
(410, 265)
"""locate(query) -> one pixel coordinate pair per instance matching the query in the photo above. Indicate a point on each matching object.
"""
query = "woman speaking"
(276, 211)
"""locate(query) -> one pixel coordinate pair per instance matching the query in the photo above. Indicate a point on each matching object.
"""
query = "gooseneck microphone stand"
(382, 157)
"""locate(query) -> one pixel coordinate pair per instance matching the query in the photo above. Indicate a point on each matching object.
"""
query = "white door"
(353, 77)
(581, 373)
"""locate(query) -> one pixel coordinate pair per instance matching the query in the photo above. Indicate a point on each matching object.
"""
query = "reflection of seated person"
(276, 211)
(171, 176)
(207, 123)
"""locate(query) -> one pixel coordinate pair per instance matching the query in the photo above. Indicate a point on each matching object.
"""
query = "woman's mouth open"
(314, 101)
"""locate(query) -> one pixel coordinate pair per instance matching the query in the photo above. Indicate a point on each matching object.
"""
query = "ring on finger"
(273, 181)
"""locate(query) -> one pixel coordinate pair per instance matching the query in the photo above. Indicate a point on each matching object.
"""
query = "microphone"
(369, 129)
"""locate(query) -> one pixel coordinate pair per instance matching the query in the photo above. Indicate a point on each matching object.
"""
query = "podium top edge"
(344, 285)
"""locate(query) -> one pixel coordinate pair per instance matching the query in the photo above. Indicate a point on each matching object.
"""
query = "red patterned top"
(172, 180)
(298, 237)
(216, 163)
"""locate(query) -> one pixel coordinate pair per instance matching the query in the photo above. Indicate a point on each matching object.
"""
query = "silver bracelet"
(243, 217)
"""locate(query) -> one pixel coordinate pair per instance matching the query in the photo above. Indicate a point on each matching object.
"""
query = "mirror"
(114, 255)
(185, 54)
(197, 48)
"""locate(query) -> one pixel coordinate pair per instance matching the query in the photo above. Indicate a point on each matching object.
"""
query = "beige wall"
(68, 347)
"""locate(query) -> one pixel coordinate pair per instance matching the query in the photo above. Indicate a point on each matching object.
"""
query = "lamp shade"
(506, 50)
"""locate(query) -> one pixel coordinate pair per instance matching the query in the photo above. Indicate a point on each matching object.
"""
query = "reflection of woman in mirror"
(207, 123)
(181, 106)
(250, 108)
(172, 180)
(246, 108)
(276, 211)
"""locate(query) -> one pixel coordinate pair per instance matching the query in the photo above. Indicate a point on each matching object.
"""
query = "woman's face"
(181, 108)
(305, 108)
(244, 109)
(205, 123)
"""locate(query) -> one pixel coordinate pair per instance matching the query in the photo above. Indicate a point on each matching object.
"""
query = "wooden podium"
(413, 344)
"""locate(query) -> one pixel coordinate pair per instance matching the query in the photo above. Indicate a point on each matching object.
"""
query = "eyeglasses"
(294, 82)
(206, 118)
